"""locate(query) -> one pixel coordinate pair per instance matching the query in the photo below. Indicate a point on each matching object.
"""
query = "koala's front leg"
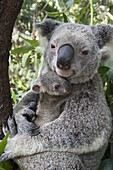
(24, 112)
(10, 126)
(19, 145)
(61, 135)
(24, 122)
(49, 138)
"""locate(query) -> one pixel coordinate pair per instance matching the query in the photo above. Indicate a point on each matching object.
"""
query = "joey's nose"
(65, 56)
(67, 86)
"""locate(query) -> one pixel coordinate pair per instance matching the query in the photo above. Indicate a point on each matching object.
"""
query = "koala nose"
(65, 56)
(67, 86)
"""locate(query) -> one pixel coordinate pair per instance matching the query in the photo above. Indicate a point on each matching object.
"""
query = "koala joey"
(54, 92)
(78, 138)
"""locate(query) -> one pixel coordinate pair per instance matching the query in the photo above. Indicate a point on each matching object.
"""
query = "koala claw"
(12, 126)
(26, 127)
(5, 156)
(28, 114)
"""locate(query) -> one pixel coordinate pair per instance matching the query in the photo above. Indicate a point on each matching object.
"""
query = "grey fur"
(23, 113)
(54, 91)
(81, 132)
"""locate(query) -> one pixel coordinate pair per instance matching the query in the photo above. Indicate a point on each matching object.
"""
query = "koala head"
(75, 50)
(52, 84)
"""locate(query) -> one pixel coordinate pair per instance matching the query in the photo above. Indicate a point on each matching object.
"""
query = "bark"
(9, 10)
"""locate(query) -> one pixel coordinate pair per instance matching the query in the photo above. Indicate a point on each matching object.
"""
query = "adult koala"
(77, 139)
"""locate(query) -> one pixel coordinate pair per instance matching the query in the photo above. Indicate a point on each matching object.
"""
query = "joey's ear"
(46, 27)
(36, 87)
(104, 36)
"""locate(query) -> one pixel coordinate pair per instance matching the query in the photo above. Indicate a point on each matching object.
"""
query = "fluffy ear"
(104, 36)
(46, 27)
(36, 87)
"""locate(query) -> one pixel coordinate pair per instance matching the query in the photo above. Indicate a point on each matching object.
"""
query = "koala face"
(74, 51)
(52, 84)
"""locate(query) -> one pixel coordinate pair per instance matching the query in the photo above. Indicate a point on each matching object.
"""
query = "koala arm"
(64, 134)
(23, 112)
(35, 144)
(30, 101)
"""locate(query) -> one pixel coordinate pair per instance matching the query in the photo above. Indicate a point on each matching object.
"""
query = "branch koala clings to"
(54, 91)
(78, 138)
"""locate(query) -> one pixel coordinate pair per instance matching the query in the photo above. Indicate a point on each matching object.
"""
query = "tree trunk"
(9, 10)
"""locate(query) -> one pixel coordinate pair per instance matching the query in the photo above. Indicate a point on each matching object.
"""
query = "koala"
(53, 91)
(23, 113)
(78, 138)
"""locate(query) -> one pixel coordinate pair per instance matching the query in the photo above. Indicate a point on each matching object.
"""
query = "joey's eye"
(85, 52)
(56, 86)
(53, 46)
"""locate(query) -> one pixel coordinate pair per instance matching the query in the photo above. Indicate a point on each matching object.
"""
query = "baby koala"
(54, 91)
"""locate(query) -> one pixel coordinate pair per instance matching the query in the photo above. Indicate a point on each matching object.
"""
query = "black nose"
(65, 56)
(67, 86)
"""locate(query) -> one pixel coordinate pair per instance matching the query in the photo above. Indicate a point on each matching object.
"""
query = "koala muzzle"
(65, 56)
(67, 86)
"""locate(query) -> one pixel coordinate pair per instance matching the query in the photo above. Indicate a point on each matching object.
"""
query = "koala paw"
(25, 124)
(5, 156)
(11, 126)
(13, 148)
(28, 128)
(32, 106)
(28, 114)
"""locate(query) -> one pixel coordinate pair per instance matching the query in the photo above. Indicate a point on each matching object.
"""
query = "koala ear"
(36, 87)
(46, 27)
(104, 36)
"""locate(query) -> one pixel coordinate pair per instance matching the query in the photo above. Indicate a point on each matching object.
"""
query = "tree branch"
(9, 10)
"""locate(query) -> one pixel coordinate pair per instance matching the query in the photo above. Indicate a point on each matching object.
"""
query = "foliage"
(26, 56)
(6, 165)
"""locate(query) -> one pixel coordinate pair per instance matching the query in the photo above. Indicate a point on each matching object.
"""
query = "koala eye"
(56, 86)
(53, 46)
(85, 52)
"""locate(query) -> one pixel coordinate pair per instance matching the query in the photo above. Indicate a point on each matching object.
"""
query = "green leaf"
(24, 58)
(65, 18)
(22, 50)
(13, 95)
(3, 143)
(53, 14)
(30, 41)
(103, 69)
(61, 5)
(5, 165)
(1, 167)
